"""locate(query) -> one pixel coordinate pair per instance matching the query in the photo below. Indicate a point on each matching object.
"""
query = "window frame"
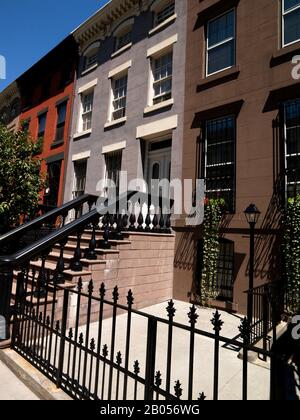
(127, 31)
(154, 59)
(83, 114)
(60, 126)
(160, 10)
(91, 52)
(231, 206)
(41, 134)
(286, 155)
(228, 40)
(115, 99)
(283, 15)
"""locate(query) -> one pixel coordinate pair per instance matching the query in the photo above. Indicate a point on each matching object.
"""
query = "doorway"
(54, 172)
(80, 169)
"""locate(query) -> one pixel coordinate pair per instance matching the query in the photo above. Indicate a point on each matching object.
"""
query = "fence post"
(266, 311)
(6, 281)
(63, 338)
(150, 361)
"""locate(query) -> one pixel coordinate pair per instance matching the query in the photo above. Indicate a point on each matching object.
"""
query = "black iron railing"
(73, 337)
(107, 216)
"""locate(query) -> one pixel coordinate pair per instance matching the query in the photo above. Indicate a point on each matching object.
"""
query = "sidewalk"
(11, 388)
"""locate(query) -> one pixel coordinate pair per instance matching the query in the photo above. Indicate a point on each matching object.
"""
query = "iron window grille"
(290, 21)
(87, 110)
(220, 44)
(119, 97)
(61, 122)
(165, 13)
(292, 147)
(163, 78)
(224, 286)
(220, 160)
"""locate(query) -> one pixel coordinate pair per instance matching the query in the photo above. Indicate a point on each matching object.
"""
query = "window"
(80, 169)
(221, 43)
(292, 140)
(290, 21)
(119, 87)
(165, 13)
(162, 78)
(220, 163)
(91, 56)
(42, 125)
(113, 163)
(87, 110)
(25, 125)
(123, 39)
(225, 269)
(61, 122)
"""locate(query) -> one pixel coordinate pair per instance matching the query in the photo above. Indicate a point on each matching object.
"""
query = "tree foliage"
(292, 252)
(20, 179)
(211, 249)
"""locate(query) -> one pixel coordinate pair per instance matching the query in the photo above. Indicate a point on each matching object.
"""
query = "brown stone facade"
(251, 91)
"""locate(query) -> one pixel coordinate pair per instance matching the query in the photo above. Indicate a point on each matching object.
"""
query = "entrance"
(80, 168)
(54, 170)
(159, 161)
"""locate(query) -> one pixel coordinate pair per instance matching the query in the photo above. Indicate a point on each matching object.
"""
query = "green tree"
(20, 179)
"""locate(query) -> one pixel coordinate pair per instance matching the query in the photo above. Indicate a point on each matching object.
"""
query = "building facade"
(241, 134)
(129, 95)
(10, 106)
(46, 91)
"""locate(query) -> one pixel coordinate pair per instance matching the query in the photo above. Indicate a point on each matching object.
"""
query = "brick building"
(241, 133)
(46, 91)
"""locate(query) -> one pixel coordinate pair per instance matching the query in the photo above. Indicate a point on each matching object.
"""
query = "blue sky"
(31, 28)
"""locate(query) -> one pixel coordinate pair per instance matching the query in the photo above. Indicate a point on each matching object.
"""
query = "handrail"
(58, 235)
(21, 230)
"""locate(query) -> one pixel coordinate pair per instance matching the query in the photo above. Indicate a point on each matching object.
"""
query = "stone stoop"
(142, 262)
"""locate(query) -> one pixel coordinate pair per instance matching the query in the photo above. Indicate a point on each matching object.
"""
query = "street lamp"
(252, 216)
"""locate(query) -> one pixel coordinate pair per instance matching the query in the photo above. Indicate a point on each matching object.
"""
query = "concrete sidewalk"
(11, 388)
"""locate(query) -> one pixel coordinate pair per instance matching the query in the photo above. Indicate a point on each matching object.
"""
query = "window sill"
(162, 25)
(89, 70)
(115, 122)
(159, 106)
(285, 54)
(82, 134)
(219, 78)
(56, 144)
(121, 50)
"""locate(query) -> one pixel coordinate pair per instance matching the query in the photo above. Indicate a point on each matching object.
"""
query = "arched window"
(91, 56)
(123, 34)
(163, 10)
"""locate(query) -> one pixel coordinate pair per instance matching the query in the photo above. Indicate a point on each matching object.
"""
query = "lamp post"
(252, 216)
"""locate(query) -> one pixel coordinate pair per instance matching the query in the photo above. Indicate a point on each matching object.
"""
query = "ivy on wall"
(211, 249)
(292, 253)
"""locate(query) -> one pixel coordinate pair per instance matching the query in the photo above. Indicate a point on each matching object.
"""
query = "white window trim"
(80, 132)
(121, 50)
(114, 147)
(81, 156)
(120, 69)
(226, 41)
(162, 25)
(150, 106)
(157, 128)
(283, 14)
(164, 45)
(88, 86)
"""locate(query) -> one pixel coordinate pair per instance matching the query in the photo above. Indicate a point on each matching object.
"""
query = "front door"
(159, 162)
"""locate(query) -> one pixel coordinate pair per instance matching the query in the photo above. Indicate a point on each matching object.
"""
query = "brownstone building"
(241, 134)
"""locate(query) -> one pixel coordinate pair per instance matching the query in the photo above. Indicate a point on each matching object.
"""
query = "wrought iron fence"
(61, 331)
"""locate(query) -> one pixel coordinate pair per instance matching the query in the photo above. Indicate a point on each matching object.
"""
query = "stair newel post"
(91, 253)
(168, 224)
(148, 219)
(59, 277)
(40, 292)
(119, 235)
(6, 282)
(76, 261)
(104, 244)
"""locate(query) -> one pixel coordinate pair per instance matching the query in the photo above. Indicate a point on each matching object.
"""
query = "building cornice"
(102, 23)
(8, 94)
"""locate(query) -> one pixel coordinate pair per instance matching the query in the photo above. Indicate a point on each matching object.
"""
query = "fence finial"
(217, 322)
